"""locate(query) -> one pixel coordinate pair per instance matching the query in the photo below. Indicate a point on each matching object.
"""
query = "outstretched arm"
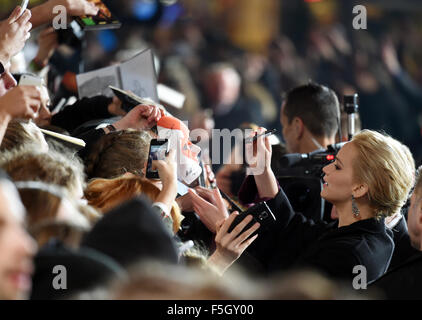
(44, 13)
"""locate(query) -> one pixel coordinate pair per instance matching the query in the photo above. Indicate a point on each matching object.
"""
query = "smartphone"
(260, 213)
(24, 5)
(158, 150)
(28, 80)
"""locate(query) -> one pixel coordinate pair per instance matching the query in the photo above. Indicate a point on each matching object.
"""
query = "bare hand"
(21, 102)
(258, 153)
(47, 44)
(44, 114)
(209, 205)
(224, 178)
(141, 117)
(77, 8)
(14, 32)
(230, 246)
(258, 156)
(168, 176)
(166, 169)
(389, 56)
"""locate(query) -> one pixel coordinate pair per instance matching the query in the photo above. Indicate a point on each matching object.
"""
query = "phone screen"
(157, 152)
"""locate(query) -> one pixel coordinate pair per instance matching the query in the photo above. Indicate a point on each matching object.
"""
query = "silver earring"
(355, 208)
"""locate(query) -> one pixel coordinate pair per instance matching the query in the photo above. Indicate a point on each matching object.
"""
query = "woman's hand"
(230, 246)
(77, 8)
(14, 31)
(209, 205)
(258, 157)
(140, 118)
(168, 176)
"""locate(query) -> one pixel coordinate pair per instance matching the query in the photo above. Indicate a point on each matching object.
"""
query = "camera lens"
(263, 215)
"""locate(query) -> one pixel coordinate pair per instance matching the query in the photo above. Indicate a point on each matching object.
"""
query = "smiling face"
(338, 179)
(16, 247)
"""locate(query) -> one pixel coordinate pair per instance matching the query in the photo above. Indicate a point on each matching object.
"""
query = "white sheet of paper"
(170, 96)
(94, 83)
(182, 189)
(138, 75)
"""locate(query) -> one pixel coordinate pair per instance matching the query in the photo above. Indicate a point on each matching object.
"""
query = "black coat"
(403, 282)
(295, 241)
(403, 250)
(82, 111)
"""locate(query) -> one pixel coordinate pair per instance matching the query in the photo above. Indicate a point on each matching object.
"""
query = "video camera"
(313, 162)
(299, 174)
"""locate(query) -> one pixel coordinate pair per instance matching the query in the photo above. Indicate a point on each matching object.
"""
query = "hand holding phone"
(260, 213)
(28, 80)
(158, 150)
(24, 5)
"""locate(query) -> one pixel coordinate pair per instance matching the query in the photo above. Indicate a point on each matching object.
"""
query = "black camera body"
(300, 178)
(261, 213)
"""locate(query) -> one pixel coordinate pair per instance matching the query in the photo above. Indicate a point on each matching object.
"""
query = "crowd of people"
(87, 222)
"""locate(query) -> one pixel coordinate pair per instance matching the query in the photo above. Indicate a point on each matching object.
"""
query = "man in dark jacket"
(405, 281)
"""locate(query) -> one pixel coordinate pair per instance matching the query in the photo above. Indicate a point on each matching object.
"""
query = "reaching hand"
(44, 115)
(141, 117)
(258, 154)
(14, 32)
(209, 206)
(77, 8)
(224, 177)
(168, 176)
(21, 102)
(47, 44)
(166, 169)
(230, 246)
(389, 56)
(115, 107)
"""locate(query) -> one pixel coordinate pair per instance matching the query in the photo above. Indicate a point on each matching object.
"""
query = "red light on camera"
(330, 157)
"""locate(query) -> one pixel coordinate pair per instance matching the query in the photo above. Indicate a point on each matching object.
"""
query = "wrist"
(217, 262)
(170, 188)
(4, 58)
(5, 117)
(266, 184)
(119, 125)
(40, 61)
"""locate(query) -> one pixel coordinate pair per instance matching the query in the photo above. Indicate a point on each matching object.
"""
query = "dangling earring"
(355, 208)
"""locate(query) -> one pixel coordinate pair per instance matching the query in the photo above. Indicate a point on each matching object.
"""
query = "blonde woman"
(369, 180)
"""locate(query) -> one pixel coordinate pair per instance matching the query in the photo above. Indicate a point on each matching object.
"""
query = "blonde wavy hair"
(387, 167)
(105, 194)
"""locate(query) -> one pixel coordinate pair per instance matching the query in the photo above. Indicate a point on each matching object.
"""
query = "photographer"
(310, 117)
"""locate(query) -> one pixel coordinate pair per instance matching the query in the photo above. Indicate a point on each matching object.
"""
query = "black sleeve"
(334, 260)
(288, 238)
(82, 111)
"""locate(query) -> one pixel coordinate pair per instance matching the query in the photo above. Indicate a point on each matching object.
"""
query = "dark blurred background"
(273, 45)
